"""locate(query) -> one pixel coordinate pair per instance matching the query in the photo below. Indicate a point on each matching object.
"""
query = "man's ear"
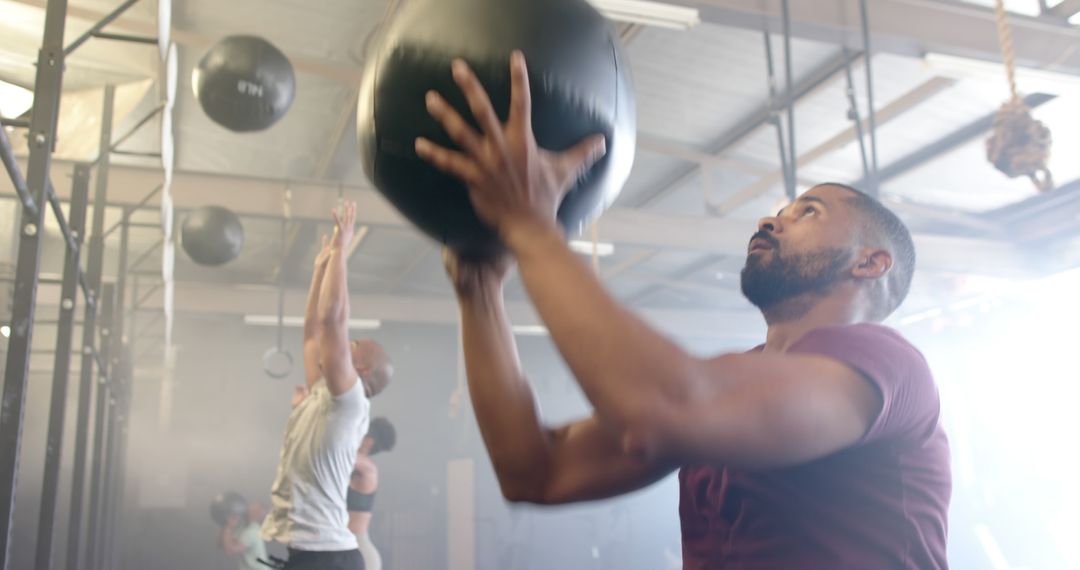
(872, 264)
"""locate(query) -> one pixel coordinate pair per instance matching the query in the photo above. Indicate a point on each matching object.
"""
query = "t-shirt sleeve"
(350, 411)
(910, 402)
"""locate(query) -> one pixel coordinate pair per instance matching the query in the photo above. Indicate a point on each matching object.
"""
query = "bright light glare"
(14, 100)
(530, 330)
(992, 548)
(586, 248)
(649, 13)
(5, 331)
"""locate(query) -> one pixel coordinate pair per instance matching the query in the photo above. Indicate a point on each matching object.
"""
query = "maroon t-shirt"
(879, 504)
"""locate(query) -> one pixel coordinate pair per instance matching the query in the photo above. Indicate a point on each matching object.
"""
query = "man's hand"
(472, 276)
(324, 254)
(344, 226)
(512, 182)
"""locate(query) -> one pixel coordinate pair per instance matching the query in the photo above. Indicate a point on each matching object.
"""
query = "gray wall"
(226, 433)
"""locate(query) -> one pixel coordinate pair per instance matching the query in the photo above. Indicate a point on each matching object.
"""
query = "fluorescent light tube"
(529, 330)
(584, 247)
(272, 321)
(649, 13)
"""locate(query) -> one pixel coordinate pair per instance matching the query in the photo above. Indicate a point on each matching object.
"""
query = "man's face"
(807, 247)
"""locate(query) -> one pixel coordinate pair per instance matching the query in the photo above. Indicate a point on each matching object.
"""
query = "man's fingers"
(579, 158)
(454, 125)
(574, 161)
(478, 99)
(520, 96)
(451, 162)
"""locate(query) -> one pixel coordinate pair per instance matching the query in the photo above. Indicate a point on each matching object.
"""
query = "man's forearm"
(624, 366)
(502, 399)
(333, 304)
(311, 312)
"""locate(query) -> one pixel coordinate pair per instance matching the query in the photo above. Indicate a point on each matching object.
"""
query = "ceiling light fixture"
(5, 331)
(530, 330)
(272, 321)
(584, 247)
(649, 13)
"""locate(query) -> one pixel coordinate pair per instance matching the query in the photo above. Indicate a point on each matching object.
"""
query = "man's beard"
(769, 282)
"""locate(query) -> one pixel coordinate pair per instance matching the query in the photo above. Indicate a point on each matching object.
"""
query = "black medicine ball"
(580, 86)
(212, 235)
(244, 83)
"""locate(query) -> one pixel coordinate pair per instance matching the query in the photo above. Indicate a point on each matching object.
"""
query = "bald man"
(330, 416)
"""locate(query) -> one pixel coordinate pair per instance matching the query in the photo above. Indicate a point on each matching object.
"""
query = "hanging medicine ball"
(244, 83)
(580, 86)
(212, 235)
(227, 504)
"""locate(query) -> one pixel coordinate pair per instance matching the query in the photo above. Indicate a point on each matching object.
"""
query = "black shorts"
(336, 560)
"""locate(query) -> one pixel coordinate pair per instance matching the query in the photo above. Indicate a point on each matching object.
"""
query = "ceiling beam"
(938, 254)
(947, 143)
(299, 235)
(133, 24)
(1066, 9)
(813, 81)
(908, 27)
(239, 300)
(920, 94)
(334, 143)
(313, 200)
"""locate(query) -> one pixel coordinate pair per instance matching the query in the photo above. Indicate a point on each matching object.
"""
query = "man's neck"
(792, 319)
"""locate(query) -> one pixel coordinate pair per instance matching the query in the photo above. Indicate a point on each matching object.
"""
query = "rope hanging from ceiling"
(1019, 145)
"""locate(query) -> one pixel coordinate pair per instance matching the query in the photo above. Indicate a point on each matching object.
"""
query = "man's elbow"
(524, 488)
(520, 494)
(330, 319)
(525, 493)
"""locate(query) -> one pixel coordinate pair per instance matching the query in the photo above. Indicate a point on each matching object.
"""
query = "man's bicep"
(336, 358)
(590, 463)
(776, 410)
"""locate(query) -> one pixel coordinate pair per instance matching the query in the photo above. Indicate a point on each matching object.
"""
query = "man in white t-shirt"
(330, 416)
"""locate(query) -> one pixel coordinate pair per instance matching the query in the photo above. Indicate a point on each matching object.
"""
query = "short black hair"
(382, 432)
(883, 228)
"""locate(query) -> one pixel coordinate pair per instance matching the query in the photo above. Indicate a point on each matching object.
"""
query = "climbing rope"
(1019, 145)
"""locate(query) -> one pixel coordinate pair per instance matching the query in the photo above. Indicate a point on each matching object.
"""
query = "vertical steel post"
(88, 373)
(61, 369)
(793, 159)
(871, 115)
(93, 537)
(115, 354)
(47, 87)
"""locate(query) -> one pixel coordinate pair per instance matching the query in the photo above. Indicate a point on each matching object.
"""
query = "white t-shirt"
(307, 500)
